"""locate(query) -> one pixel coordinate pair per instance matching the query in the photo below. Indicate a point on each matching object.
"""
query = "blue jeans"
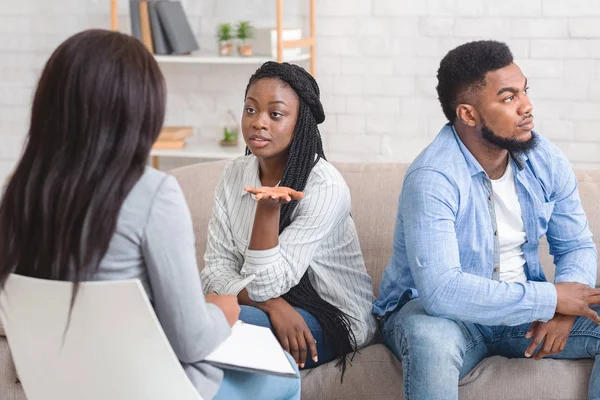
(255, 316)
(437, 352)
(246, 385)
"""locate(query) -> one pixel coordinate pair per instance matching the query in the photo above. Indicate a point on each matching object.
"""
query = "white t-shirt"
(511, 232)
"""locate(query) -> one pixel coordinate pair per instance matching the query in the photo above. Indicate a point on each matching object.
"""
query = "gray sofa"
(376, 373)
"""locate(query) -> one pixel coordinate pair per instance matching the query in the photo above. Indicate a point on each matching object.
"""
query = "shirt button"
(496, 269)
(491, 197)
(495, 233)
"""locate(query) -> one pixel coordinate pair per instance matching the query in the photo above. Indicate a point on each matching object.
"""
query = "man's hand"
(228, 304)
(291, 330)
(576, 298)
(553, 334)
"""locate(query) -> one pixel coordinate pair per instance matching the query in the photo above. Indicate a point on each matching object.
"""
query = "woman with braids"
(83, 206)
(281, 236)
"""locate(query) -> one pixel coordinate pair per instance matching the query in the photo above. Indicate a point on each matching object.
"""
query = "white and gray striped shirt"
(321, 237)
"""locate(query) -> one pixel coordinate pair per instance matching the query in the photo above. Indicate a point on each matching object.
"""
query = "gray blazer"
(154, 242)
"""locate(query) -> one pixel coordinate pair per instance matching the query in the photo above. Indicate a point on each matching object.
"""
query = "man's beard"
(512, 145)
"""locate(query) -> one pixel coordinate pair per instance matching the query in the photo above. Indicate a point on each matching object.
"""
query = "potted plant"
(224, 35)
(230, 133)
(245, 31)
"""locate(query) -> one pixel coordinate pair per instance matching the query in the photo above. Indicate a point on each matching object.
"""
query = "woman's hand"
(274, 195)
(228, 304)
(291, 330)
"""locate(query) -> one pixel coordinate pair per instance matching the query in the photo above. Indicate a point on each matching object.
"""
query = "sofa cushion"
(10, 389)
(375, 189)
(377, 374)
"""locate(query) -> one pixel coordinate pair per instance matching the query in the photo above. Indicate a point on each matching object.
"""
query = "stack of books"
(173, 138)
(162, 26)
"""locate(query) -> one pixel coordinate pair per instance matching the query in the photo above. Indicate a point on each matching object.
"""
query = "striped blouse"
(321, 238)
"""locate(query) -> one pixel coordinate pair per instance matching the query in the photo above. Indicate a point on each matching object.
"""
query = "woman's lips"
(259, 142)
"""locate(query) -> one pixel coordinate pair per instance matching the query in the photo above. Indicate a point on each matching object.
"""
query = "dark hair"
(463, 69)
(305, 151)
(98, 108)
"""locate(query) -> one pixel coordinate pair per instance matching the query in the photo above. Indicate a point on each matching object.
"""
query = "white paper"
(252, 348)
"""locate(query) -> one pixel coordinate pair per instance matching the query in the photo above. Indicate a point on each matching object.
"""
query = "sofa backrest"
(375, 189)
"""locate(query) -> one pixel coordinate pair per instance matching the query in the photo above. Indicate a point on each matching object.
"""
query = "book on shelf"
(169, 145)
(162, 26)
(170, 133)
(161, 44)
(172, 137)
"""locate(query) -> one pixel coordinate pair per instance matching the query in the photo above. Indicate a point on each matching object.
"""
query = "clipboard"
(252, 348)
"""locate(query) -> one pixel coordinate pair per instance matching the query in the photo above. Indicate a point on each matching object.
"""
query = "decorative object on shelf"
(265, 42)
(245, 31)
(173, 137)
(225, 36)
(231, 132)
(230, 135)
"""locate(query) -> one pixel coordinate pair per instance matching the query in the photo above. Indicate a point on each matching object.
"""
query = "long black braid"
(305, 151)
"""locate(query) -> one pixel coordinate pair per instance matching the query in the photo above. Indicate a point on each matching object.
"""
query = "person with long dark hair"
(82, 205)
(281, 236)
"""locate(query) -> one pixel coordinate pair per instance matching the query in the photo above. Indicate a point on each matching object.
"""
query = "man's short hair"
(463, 70)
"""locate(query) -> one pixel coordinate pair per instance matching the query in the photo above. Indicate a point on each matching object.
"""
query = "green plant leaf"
(245, 30)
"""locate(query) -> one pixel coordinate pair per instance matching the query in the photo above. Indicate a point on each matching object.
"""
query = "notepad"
(251, 348)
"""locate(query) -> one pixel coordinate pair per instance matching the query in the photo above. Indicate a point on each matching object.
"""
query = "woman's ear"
(467, 114)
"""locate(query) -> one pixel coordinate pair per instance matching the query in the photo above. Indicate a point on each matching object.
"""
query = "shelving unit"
(215, 151)
(209, 59)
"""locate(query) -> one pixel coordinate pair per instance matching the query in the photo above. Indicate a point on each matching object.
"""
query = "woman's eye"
(276, 114)
(508, 99)
(250, 110)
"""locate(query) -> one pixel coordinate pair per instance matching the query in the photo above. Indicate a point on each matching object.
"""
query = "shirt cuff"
(573, 278)
(545, 299)
(257, 260)
(235, 286)
(220, 327)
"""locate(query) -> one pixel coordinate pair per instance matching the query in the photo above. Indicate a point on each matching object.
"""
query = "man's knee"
(414, 331)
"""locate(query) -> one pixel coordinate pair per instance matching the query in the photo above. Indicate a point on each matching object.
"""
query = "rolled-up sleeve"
(279, 269)
(428, 206)
(193, 327)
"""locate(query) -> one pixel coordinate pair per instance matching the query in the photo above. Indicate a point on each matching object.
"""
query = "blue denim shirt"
(446, 245)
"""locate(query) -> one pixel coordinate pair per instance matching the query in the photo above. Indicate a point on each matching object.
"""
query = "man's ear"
(467, 114)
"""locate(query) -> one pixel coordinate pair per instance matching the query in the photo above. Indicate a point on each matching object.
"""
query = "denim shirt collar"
(473, 165)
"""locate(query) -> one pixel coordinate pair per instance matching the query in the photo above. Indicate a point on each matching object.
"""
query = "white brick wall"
(376, 65)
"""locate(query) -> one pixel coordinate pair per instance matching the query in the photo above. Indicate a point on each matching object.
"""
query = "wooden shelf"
(211, 59)
(307, 42)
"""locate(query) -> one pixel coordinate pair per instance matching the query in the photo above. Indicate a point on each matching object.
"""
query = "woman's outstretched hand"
(275, 195)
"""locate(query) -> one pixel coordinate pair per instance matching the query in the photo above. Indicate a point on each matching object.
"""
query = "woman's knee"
(254, 316)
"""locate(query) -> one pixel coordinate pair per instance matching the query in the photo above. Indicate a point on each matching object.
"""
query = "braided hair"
(305, 152)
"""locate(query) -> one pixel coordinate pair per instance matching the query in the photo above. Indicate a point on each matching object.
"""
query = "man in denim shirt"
(465, 281)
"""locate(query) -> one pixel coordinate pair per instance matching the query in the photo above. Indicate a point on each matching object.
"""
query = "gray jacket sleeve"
(194, 328)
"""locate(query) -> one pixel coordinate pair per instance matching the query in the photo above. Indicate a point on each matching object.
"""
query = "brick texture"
(376, 65)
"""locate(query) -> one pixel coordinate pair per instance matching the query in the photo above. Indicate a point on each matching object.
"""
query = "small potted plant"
(245, 31)
(225, 36)
(231, 132)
